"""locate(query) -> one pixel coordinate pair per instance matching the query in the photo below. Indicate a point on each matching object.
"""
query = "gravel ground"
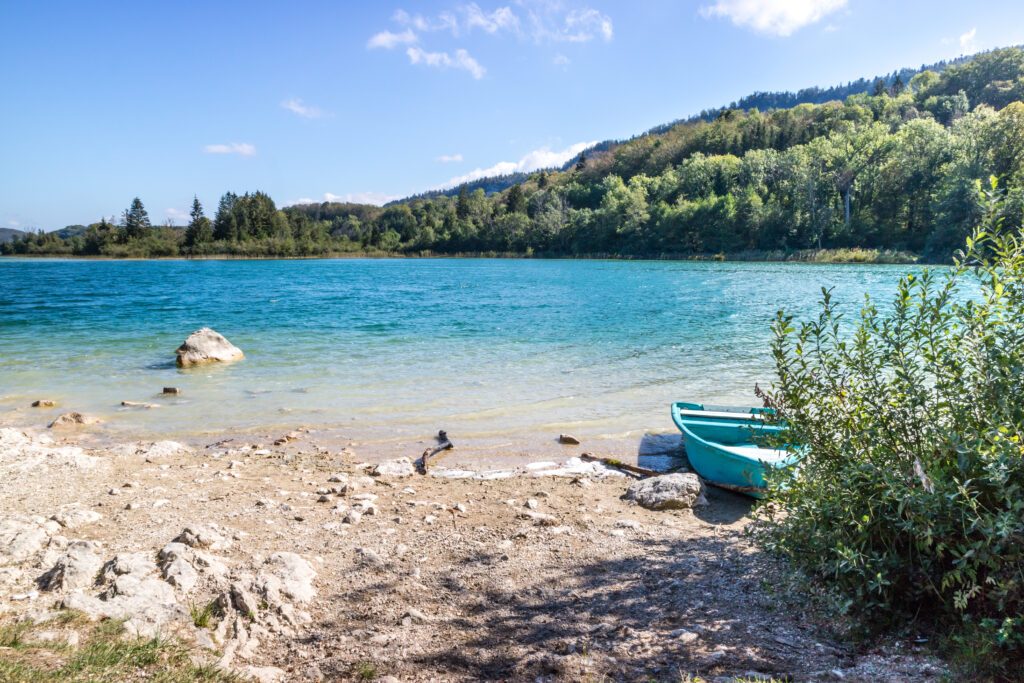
(524, 578)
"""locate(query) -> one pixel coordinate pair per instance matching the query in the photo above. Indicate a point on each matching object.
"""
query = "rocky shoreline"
(286, 560)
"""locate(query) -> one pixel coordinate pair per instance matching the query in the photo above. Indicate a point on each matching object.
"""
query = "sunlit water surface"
(503, 354)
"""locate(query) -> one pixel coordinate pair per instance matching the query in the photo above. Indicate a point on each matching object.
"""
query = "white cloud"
(176, 216)
(377, 198)
(445, 21)
(13, 223)
(442, 60)
(300, 108)
(560, 60)
(774, 17)
(450, 158)
(532, 161)
(241, 148)
(586, 24)
(967, 43)
(502, 18)
(541, 21)
(388, 40)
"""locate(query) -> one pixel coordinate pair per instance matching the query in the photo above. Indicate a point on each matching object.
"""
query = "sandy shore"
(324, 572)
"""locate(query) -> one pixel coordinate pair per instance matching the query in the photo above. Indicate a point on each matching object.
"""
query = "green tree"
(225, 224)
(462, 204)
(199, 228)
(515, 199)
(136, 220)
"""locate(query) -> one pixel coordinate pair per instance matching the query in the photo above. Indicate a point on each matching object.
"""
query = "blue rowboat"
(722, 445)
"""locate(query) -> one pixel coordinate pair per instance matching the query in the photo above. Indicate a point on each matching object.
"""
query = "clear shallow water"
(503, 354)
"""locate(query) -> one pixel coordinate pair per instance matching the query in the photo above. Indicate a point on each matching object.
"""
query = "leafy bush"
(909, 499)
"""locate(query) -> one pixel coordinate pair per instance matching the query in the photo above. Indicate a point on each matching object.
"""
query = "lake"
(503, 354)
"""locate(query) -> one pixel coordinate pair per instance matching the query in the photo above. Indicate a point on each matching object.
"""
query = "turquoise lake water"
(503, 354)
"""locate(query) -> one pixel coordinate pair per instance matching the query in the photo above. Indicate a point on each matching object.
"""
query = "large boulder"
(207, 346)
(78, 567)
(668, 492)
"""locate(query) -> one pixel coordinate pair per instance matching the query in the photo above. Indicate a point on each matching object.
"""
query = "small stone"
(539, 518)
(684, 636)
(72, 518)
(429, 519)
(114, 492)
(532, 503)
(568, 440)
(370, 557)
(461, 507)
(171, 390)
(628, 524)
(263, 674)
(44, 403)
(401, 467)
(415, 616)
(353, 516)
(324, 498)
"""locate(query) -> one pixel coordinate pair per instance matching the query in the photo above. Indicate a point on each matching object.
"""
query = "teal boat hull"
(722, 446)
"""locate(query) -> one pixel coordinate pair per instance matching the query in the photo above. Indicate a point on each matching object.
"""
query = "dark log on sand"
(619, 465)
(443, 444)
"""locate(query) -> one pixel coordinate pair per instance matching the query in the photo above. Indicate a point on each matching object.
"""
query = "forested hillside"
(898, 168)
(7, 234)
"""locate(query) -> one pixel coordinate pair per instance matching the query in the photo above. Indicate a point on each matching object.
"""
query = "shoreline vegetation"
(809, 256)
(897, 170)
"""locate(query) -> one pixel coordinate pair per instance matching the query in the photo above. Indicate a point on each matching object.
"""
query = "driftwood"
(619, 465)
(443, 444)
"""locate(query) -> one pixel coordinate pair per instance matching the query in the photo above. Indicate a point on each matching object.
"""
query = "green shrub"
(909, 500)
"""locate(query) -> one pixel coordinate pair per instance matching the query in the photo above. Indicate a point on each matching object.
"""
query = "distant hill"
(70, 231)
(489, 185)
(8, 234)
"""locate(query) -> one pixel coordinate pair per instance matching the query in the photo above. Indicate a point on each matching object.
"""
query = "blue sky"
(368, 101)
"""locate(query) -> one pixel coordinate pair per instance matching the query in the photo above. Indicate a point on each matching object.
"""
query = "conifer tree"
(136, 220)
(199, 227)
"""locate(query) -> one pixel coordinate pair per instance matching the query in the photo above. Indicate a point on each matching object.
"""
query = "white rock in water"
(207, 346)
(72, 420)
(668, 492)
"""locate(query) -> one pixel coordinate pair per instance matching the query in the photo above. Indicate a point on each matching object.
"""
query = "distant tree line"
(894, 168)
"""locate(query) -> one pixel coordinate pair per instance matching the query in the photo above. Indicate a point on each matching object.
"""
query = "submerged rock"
(206, 346)
(138, 404)
(668, 492)
(43, 403)
(72, 420)
(568, 440)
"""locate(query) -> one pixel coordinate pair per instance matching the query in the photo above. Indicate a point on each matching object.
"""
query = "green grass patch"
(106, 653)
